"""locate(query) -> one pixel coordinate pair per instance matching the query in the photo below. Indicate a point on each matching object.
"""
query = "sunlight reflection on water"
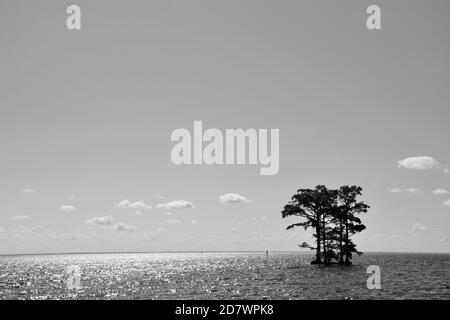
(222, 276)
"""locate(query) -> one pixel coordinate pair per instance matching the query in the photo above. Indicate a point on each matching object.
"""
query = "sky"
(86, 118)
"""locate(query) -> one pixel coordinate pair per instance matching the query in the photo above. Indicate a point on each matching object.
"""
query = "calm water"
(222, 276)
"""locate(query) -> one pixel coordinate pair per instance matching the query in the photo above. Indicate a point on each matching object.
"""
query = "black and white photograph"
(200, 151)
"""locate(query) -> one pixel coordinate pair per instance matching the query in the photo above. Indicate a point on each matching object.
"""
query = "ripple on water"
(222, 276)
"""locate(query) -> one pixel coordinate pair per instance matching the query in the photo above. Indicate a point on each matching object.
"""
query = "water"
(222, 276)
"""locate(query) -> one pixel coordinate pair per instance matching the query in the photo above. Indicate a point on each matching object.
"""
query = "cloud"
(39, 233)
(2, 230)
(101, 221)
(150, 236)
(263, 218)
(19, 218)
(194, 222)
(419, 227)
(67, 208)
(36, 228)
(418, 163)
(440, 191)
(124, 227)
(73, 236)
(139, 205)
(127, 204)
(177, 204)
(173, 221)
(446, 170)
(389, 237)
(28, 191)
(445, 239)
(158, 196)
(153, 235)
(410, 190)
(447, 203)
(232, 198)
(122, 204)
(33, 229)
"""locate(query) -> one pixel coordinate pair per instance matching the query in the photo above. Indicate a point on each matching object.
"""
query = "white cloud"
(67, 208)
(28, 191)
(33, 229)
(2, 230)
(139, 205)
(446, 170)
(19, 218)
(440, 191)
(419, 227)
(173, 221)
(232, 198)
(124, 227)
(177, 204)
(150, 236)
(122, 204)
(127, 204)
(153, 235)
(410, 190)
(263, 218)
(389, 237)
(36, 228)
(419, 163)
(447, 203)
(101, 221)
(194, 222)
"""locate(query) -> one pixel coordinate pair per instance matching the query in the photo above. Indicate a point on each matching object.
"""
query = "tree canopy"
(333, 216)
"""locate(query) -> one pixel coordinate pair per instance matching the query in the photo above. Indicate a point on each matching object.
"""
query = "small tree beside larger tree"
(332, 214)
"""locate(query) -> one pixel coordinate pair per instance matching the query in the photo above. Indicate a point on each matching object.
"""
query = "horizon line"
(199, 251)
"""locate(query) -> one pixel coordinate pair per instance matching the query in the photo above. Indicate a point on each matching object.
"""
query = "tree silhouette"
(309, 204)
(331, 214)
(349, 207)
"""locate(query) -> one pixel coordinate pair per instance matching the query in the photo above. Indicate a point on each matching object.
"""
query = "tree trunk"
(318, 258)
(347, 245)
(341, 249)
(325, 257)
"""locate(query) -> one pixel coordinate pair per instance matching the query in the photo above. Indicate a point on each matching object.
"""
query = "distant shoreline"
(215, 251)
